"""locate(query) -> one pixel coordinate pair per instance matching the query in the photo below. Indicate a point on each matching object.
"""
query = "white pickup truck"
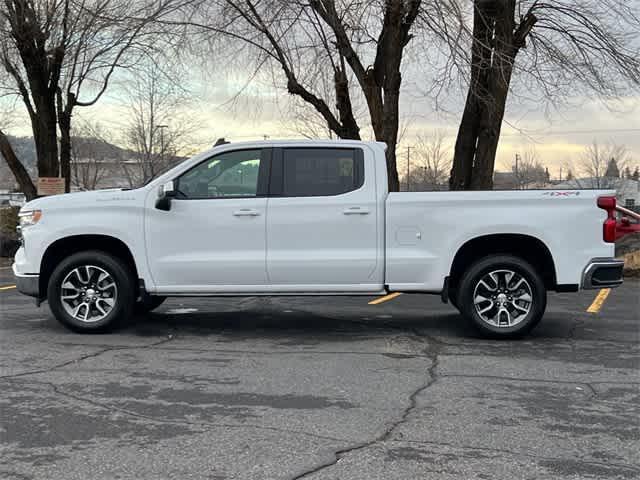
(311, 218)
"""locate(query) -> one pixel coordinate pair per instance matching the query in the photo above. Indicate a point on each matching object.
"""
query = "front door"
(214, 234)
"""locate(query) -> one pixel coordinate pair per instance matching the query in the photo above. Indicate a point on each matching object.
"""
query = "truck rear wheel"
(503, 296)
(91, 292)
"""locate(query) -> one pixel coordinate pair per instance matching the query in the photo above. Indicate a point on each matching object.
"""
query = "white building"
(11, 199)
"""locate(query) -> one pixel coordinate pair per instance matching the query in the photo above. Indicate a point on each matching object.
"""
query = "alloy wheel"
(88, 293)
(503, 298)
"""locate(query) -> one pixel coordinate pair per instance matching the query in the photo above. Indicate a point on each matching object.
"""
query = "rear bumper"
(602, 273)
(27, 284)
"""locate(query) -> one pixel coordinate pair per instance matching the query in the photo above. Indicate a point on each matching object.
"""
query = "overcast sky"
(558, 136)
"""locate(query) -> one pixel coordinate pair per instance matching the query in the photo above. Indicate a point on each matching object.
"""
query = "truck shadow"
(312, 324)
(296, 327)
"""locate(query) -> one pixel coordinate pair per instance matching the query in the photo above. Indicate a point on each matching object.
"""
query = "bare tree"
(355, 46)
(556, 48)
(431, 162)
(528, 170)
(16, 167)
(91, 156)
(627, 172)
(569, 175)
(594, 165)
(62, 54)
(157, 132)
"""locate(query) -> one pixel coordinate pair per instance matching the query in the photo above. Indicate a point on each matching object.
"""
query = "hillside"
(117, 165)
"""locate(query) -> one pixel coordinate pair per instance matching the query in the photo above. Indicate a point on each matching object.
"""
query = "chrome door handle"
(246, 212)
(356, 211)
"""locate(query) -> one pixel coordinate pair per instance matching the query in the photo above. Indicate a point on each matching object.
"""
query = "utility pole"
(151, 169)
(408, 166)
(161, 128)
(516, 170)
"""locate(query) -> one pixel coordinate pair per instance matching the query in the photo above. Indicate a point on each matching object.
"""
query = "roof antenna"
(220, 141)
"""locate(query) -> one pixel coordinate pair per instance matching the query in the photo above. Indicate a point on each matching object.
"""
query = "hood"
(80, 198)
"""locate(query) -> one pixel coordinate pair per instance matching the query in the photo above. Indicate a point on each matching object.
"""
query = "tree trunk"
(489, 134)
(493, 53)
(64, 123)
(22, 176)
(392, 170)
(465, 147)
(504, 55)
(44, 125)
(349, 126)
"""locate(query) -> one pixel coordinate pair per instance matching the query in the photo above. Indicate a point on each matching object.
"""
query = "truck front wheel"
(91, 292)
(503, 296)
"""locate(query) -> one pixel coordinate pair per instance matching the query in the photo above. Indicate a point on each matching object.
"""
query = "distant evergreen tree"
(569, 176)
(636, 174)
(612, 169)
(547, 175)
(627, 172)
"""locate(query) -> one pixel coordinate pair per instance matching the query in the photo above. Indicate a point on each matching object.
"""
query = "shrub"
(9, 221)
(8, 236)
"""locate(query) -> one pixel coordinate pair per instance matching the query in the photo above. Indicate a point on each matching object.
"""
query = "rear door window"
(315, 172)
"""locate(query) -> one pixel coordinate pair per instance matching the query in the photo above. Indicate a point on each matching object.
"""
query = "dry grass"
(632, 264)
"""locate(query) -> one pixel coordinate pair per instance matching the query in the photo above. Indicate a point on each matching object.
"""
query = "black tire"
(148, 303)
(533, 288)
(453, 298)
(122, 302)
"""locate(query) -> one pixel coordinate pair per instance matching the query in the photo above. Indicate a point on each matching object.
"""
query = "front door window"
(228, 175)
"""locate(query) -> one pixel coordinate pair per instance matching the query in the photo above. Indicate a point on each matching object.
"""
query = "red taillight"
(607, 203)
(609, 227)
(609, 230)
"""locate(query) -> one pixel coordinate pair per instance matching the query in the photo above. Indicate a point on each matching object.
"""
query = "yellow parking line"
(599, 300)
(7, 287)
(386, 298)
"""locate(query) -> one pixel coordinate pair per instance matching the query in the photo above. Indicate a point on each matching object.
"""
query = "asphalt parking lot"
(321, 388)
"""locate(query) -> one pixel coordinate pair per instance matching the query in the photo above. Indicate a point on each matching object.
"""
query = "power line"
(573, 132)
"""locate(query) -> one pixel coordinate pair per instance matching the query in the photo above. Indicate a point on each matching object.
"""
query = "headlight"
(29, 217)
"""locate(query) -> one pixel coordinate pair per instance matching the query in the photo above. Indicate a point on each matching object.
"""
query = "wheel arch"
(67, 246)
(527, 247)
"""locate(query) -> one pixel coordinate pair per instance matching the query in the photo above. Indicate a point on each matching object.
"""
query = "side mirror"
(165, 193)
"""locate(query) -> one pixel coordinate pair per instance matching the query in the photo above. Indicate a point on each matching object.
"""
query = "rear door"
(322, 222)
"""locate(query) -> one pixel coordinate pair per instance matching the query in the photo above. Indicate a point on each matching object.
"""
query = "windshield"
(160, 172)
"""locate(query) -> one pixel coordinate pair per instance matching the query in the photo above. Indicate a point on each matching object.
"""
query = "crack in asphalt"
(384, 436)
(81, 358)
(587, 385)
(572, 331)
(434, 376)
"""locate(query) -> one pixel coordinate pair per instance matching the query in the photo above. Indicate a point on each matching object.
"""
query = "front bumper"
(27, 284)
(602, 273)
